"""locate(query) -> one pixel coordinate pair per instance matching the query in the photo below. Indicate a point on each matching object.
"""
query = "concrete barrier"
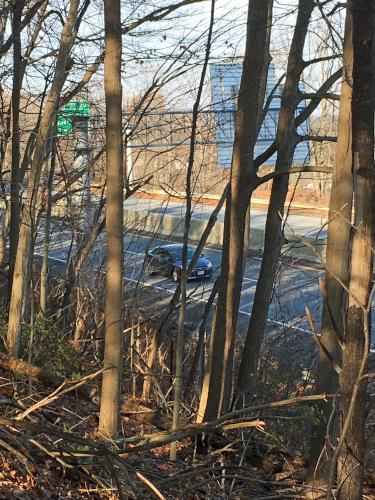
(171, 226)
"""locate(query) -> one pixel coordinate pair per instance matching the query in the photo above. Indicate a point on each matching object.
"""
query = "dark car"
(167, 260)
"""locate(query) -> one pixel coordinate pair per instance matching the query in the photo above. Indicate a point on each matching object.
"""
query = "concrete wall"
(173, 227)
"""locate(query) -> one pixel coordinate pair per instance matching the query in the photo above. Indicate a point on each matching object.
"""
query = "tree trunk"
(351, 447)
(178, 385)
(4, 232)
(29, 207)
(337, 264)
(274, 238)
(47, 227)
(15, 158)
(159, 335)
(243, 172)
(111, 386)
(15, 162)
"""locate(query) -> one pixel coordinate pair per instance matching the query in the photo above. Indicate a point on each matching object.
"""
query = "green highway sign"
(80, 107)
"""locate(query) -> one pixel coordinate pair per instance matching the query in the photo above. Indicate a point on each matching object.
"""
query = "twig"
(115, 475)
(317, 339)
(50, 454)
(57, 393)
(151, 486)
(24, 459)
(158, 439)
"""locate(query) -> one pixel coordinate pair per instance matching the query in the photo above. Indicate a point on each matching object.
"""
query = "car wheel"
(175, 276)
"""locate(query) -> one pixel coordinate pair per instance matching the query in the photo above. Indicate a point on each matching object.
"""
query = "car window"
(177, 253)
(163, 254)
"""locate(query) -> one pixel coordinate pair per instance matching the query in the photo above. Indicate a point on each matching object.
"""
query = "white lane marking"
(249, 279)
(288, 325)
(156, 287)
(197, 299)
(61, 261)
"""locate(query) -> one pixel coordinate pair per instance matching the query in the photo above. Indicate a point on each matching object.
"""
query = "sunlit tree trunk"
(29, 206)
(111, 386)
(274, 238)
(218, 373)
(337, 264)
(353, 385)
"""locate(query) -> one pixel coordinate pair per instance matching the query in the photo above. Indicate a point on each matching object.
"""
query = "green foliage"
(50, 347)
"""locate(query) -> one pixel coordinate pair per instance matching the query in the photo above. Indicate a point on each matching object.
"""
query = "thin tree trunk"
(337, 264)
(29, 207)
(198, 360)
(44, 293)
(4, 10)
(111, 386)
(243, 173)
(15, 162)
(178, 385)
(4, 232)
(159, 335)
(274, 238)
(351, 447)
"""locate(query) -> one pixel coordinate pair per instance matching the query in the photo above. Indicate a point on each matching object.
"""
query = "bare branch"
(318, 340)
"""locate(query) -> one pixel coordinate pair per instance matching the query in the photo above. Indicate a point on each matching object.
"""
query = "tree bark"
(337, 264)
(31, 195)
(111, 386)
(15, 162)
(351, 447)
(274, 239)
(36, 373)
(243, 172)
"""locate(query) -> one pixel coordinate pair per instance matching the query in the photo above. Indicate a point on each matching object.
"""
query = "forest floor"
(49, 448)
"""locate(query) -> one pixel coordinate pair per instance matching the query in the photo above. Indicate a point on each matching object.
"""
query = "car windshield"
(177, 253)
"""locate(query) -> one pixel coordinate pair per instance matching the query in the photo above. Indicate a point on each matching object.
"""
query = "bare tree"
(15, 162)
(350, 450)
(337, 264)
(184, 261)
(29, 208)
(111, 387)
(287, 140)
(217, 380)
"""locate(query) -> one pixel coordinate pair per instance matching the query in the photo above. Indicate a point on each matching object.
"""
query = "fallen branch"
(158, 439)
(64, 388)
(225, 421)
(151, 486)
(42, 375)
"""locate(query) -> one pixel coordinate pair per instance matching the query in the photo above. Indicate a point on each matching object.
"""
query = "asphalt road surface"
(296, 287)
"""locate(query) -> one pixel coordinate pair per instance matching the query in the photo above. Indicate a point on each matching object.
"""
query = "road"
(296, 287)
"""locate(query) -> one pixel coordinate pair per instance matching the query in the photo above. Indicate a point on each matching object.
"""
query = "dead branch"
(42, 375)
(62, 389)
